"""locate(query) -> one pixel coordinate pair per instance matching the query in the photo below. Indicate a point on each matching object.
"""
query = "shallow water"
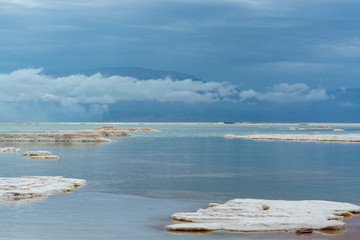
(134, 185)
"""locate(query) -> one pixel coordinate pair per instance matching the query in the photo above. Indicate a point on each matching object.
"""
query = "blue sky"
(250, 52)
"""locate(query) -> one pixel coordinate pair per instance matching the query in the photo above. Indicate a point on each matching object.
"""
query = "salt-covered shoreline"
(29, 188)
(118, 123)
(300, 137)
(259, 215)
(53, 137)
(96, 135)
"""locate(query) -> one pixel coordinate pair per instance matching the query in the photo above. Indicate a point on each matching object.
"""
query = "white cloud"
(31, 85)
(71, 93)
(348, 48)
(286, 93)
(250, 94)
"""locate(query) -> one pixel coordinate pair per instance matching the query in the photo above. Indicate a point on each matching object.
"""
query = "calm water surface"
(135, 184)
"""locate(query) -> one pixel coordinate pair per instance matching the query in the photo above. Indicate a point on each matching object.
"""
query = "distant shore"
(190, 123)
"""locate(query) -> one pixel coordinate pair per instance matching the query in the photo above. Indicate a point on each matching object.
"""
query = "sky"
(260, 60)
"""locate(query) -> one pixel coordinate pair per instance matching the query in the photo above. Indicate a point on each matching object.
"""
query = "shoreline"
(343, 138)
(188, 123)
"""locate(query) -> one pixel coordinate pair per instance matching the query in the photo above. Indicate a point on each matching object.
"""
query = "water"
(134, 185)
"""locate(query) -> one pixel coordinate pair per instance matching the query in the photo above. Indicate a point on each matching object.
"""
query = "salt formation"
(250, 215)
(301, 137)
(60, 137)
(96, 135)
(116, 128)
(37, 187)
(105, 131)
(327, 127)
(308, 128)
(40, 155)
(10, 149)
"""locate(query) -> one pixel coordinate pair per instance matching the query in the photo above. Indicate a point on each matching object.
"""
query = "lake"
(134, 185)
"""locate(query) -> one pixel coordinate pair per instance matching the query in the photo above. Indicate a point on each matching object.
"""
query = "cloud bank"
(31, 85)
(284, 92)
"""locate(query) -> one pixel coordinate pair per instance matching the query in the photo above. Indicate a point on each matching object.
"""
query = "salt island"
(30, 188)
(301, 137)
(259, 215)
(96, 135)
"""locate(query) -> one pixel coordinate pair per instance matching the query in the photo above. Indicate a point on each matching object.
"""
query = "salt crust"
(10, 149)
(249, 215)
(301, 137)
(40, 155)
(96, 135)
(309, 128)
(26, 189)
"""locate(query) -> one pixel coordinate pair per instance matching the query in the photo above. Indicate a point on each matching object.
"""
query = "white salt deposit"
(30, 188)
(300, 137)
(10, 149)
(36, 153)
(40, 155)
(96, 135)
(46, 157)
(117, 128)
(257, 215)
(63, 137)
(308, 128)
